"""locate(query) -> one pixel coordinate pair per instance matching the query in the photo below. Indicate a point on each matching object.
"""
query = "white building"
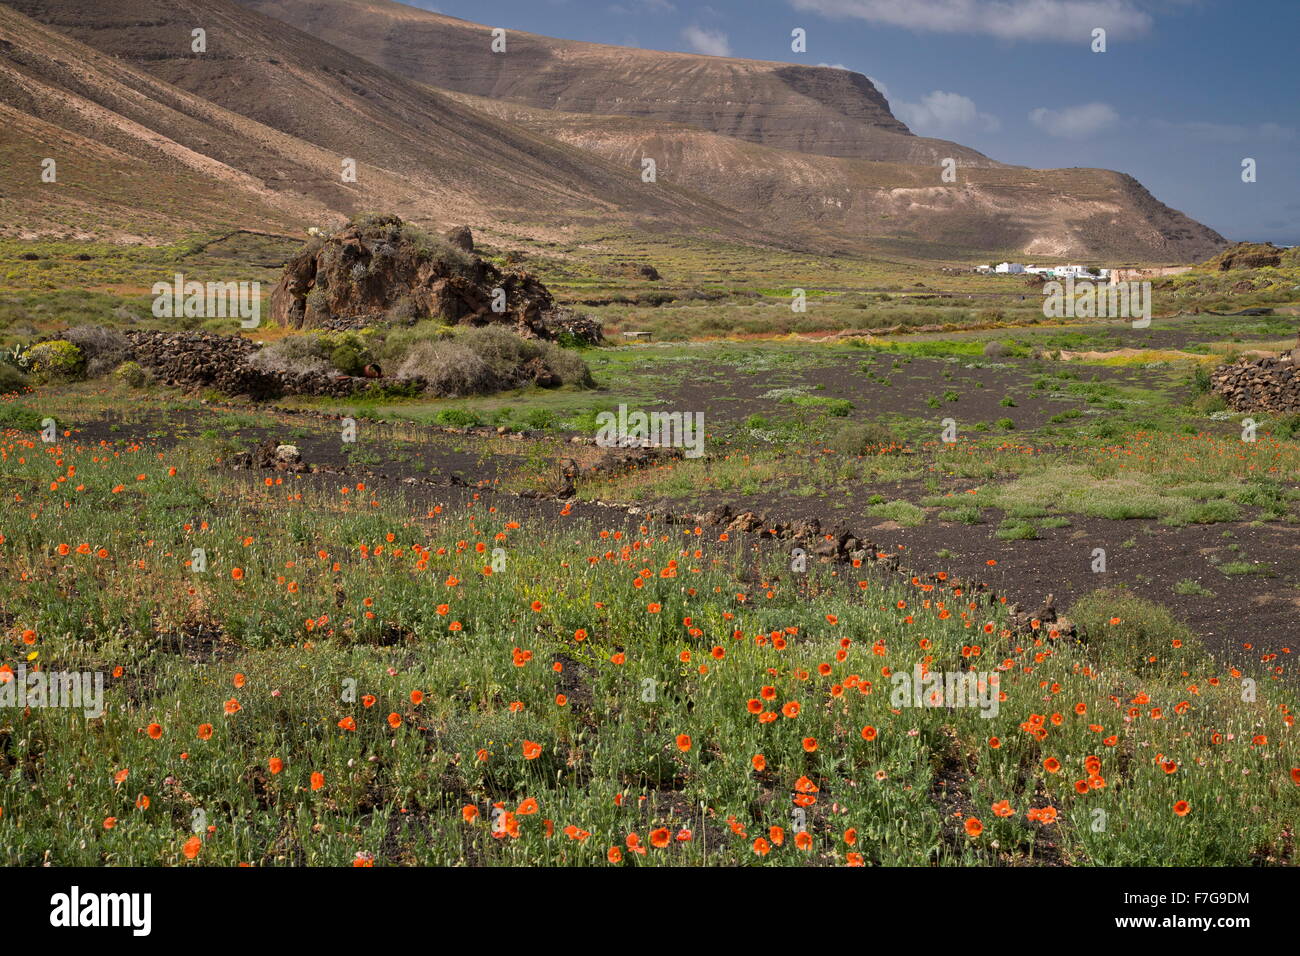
(1014, 268)
(1081, 272)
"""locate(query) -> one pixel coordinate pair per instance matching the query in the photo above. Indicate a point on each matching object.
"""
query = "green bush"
(1286, 426)
(20, 416)
(131, 374)
(457, 417)
(11, 379)
(348, 359)
(54, 361)
(540, 419)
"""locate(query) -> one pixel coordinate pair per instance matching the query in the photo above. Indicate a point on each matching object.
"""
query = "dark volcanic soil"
(1244, 616)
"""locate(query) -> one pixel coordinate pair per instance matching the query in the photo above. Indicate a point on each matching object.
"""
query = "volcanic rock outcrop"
(380, 269)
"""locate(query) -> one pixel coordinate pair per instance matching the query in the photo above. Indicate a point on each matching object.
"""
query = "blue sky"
(1185, 91)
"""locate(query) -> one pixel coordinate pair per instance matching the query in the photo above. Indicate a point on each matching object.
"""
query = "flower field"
(302, 671)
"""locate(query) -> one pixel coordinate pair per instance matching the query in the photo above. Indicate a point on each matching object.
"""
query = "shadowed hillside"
(274, 111)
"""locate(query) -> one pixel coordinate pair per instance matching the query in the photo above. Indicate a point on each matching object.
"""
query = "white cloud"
(943, 114)
(632, 7)
(1229, 132)
(1059, 20)
(834, 66)
(712, 42)
(1074, 122)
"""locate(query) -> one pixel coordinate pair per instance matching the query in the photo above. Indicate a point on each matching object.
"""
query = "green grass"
(1238, 568)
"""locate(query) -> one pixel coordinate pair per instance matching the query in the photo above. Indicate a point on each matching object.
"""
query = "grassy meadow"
(400, 660)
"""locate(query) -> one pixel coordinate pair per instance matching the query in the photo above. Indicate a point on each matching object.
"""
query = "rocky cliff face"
(809, 109)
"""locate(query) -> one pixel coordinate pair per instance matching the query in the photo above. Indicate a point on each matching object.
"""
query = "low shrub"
(867, 438)
(11, 379)
(104, 349)
(130, 373)
(449, 369)
(53, 361)
(1138, 629)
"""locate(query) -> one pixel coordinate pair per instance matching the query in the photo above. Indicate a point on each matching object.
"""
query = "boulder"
(461, 238)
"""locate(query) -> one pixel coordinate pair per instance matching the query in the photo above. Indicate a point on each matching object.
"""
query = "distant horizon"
(960, 71)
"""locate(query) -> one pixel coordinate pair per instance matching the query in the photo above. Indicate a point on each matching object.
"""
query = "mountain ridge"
(269, 112)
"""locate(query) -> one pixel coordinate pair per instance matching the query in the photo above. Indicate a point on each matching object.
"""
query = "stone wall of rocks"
(1264, 385)
(223, 362)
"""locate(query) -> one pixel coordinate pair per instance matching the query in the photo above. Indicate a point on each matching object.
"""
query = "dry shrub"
(489, 359)
(295, 354)
(104, 349)
(449, 369)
